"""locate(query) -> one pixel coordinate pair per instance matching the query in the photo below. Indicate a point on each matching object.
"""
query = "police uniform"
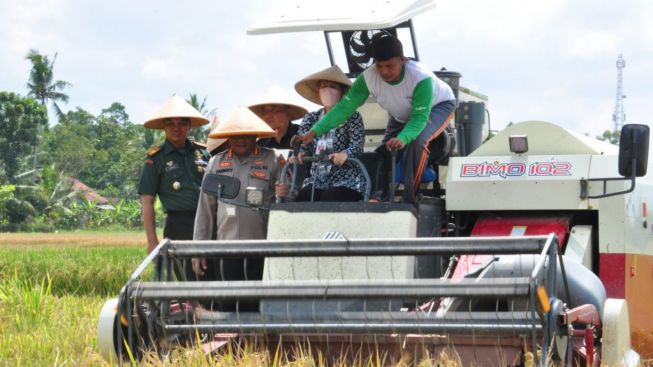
(175, 175)
(261, 170)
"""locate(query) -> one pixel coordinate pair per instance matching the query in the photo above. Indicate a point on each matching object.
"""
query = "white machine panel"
(316, 225)
(516, 182)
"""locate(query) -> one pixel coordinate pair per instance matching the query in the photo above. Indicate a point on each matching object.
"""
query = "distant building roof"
(88, 193)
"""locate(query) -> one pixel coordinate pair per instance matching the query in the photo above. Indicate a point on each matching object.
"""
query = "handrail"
(361, 166)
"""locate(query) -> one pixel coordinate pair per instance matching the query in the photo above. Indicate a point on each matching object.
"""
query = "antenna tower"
(619, 116)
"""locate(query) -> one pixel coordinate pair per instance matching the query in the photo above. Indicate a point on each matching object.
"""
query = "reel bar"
(327, 289)
(362, 326)
(359, 247)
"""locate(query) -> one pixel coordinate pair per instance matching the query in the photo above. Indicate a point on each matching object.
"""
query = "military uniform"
(285, 140)
(260, 169)
(175, 175)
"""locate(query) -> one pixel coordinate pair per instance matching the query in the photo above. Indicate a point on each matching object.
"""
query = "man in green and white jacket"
(420, 106)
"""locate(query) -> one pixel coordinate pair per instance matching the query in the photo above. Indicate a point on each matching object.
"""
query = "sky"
(548, 60)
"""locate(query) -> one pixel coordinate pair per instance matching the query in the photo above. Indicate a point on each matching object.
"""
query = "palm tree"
(41, 83)
(200, 134)
(194, 101)
(43, 88)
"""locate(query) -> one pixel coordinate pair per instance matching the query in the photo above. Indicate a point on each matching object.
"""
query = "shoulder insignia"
(152, 151)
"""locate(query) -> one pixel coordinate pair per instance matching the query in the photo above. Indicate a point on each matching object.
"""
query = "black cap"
(385, 47)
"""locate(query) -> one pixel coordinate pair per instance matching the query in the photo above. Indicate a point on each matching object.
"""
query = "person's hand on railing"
(199, 265)
(297, 159)
(307, 138)
(338, 158)
(282, 190)
(394, 144)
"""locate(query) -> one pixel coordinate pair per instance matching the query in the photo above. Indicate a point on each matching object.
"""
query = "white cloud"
(549, 60)
(158, 69)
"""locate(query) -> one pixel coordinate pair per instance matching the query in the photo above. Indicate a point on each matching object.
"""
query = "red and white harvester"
(534, 240)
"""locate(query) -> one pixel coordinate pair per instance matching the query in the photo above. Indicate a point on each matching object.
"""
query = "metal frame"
(361, 166)
(408, 24)
(531, 321)
(584, 184)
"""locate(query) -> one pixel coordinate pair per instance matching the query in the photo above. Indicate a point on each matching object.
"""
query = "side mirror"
(633, 145)
(220, 186)
(633, 159)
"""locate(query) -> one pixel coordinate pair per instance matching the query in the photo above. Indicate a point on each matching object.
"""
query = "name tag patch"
(260, 174)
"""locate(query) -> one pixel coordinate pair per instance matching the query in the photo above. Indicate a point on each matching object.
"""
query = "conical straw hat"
(276, 95)
(176, 106)
(309, 86)
(212, 143)
(242, 122)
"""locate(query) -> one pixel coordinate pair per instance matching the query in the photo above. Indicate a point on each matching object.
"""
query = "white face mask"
(329, 96)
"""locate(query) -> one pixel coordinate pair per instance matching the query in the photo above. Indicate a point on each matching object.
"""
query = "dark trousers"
(330, 194)
(233, 269)
(179, 226)
(416, 153)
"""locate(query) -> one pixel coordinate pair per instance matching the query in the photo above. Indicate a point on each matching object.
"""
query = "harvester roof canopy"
(341, 15)
(545, 138)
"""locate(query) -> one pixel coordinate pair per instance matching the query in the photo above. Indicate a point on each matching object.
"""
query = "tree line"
(42, 164)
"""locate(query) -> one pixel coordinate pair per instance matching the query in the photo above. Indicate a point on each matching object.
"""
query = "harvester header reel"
(527, 307)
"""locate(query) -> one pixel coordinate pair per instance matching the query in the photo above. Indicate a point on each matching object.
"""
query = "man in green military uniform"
(174, 172)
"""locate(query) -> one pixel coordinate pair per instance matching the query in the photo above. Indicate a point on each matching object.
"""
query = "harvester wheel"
(106, 338)
(615, 346)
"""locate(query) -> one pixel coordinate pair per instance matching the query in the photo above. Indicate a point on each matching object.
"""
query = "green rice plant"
(40, 329)
(83, 271)
(27, 300)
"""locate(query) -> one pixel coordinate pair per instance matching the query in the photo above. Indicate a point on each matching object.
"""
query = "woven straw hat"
(175, 106)
(242, 122)
(212, 143)
(276, 95)
(309, 86)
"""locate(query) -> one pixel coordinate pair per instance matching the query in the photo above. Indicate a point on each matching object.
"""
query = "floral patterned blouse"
(348, 137)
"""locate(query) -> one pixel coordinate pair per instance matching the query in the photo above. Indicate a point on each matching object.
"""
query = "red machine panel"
(510, 226)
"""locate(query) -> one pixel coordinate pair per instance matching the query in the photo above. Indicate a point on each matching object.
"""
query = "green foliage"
(200, 133)
(104, 152)
(6, 194)
(14, 210)
(611, 137)
(42, 85)
(20, 119)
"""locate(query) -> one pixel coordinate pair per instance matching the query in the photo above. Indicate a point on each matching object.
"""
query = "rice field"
(52, 287)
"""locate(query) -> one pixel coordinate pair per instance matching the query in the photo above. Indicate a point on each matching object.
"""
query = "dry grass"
(76, 239)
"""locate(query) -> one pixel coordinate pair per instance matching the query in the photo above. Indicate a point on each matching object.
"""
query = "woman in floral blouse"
(335, 178)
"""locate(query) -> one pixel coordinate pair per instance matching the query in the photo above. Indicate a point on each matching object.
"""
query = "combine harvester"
(537, 240)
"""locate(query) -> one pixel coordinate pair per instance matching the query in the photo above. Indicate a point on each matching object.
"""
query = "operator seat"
(375, 165)
(442, 147)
